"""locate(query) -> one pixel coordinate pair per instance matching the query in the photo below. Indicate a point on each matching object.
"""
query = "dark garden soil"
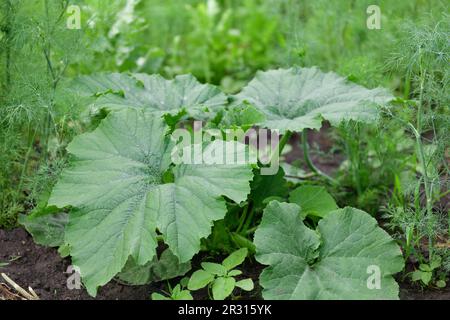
(42, 269)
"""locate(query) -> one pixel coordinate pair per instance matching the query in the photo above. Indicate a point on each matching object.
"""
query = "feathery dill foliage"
(419, 207)
(333, 35)
(423, 56)
(36, 50)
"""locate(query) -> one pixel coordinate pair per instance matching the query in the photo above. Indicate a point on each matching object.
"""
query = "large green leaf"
(314, 200)
(115, 186)
(298, 98)
(242, 116)
(267, 186)
(116, 91)
(46, 225)
(333, 262)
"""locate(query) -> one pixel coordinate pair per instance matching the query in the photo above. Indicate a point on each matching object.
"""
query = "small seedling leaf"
(200, 279)
(214, 268)
(222, 287)
(234, 273)
(246, 284)
(235, 259)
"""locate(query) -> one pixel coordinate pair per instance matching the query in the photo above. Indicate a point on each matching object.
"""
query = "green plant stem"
(407, 86)
(54, 75)
(426, 182)
(242, 218)
(352, 149)
(249, 221)
(421, 153)
(443, 194)
(283, 141)
(25, 163)
(281, 144)
(251, 230)
(310, 164)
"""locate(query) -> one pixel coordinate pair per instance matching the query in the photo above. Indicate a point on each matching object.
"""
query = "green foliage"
(220, 278)
(426, 271)
(265, 187)
(119, 91)
(35, 116)
(313, 200)
(241, 116)
(422, 114)
(164, 267)
(121, 171)
(300, 98)
(331, 262)
(397, 166)
(179, 292)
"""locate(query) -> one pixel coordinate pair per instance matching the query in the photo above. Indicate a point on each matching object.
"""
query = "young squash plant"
(116, 188)
(219, 278)
(126, 197)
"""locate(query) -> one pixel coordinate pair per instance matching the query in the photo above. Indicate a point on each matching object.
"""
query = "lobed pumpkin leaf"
(46, 226)
(314, 200)
(115, 186)
(117, 91)
(298, 98)
(333, 262)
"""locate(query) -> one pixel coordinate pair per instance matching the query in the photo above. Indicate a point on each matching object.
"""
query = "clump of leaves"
(220, 278)
(179, 292)
(120, 169)
(426, 272)
(164, 267)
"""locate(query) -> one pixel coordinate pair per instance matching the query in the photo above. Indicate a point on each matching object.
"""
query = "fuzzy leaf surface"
(333, 262)
(117, 91)
(115, 187)
(298, 98)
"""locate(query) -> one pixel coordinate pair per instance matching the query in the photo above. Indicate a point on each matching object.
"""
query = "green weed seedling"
(220, 278)
(425, 273)
(179, 292)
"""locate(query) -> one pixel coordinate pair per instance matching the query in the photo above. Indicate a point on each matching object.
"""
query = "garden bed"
(42, 269)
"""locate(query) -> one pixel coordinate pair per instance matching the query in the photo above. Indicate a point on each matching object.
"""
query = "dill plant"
(423, 56)
(37, 49)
